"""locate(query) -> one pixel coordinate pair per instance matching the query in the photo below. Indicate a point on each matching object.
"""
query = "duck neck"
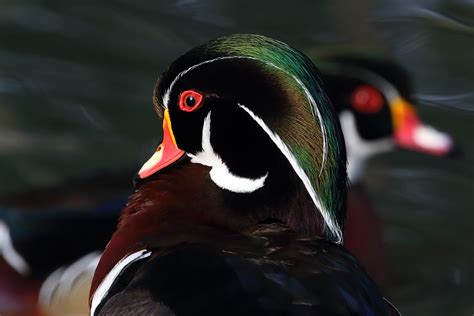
(185, 198)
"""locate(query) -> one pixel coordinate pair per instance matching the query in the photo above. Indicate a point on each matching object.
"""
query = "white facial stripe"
(220, 173)
(101, 292)
(332, 226)
(314, 106)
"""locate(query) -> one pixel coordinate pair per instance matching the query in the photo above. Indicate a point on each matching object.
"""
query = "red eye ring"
(190, 101)
(367, 99)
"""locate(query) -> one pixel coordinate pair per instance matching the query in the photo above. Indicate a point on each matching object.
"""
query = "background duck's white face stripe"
(315, 109)
(104, 287)
(220, 173)
(331, 224)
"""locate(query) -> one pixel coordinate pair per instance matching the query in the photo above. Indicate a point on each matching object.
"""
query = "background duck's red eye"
(190, 101)
(367, 99)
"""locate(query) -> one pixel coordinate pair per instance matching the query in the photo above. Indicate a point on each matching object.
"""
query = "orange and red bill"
(166, 154)
(411, 133)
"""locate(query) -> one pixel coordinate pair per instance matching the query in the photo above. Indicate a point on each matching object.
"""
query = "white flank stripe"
(331, 224)
(166, 96)
(101, 291)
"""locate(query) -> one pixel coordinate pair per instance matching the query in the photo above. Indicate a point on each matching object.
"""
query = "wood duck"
(374, 100)
(240, 209)
(363, 231)
(91, 203)
(373, 97)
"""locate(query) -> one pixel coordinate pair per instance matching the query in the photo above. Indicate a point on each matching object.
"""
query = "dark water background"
(75, 98)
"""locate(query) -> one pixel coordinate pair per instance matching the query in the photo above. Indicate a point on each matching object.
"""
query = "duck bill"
(410, 133)
(166, 154)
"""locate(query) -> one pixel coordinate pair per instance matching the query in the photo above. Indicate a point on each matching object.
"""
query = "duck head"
(372, 97)
(251, 109)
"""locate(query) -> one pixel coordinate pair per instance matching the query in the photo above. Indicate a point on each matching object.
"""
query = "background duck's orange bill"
(166, 154)
(411, 133)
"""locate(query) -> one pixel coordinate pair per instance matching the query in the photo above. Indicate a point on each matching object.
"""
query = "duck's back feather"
(269, 270)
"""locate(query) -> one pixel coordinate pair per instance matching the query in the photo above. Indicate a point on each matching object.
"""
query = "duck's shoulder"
(266, 270)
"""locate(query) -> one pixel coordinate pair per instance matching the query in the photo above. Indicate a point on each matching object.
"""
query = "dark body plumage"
(199, 268)
(266, 270)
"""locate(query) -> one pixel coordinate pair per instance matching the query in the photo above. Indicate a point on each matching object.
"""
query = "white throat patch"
(220, 173)
(358, 149)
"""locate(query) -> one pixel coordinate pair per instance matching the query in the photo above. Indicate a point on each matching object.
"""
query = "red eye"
(367, 99)
(190, 101)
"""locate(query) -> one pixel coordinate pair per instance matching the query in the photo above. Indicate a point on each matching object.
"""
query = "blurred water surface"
(75, 98)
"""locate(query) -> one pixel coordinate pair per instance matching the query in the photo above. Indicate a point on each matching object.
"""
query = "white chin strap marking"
(220, 173)
(330, 223)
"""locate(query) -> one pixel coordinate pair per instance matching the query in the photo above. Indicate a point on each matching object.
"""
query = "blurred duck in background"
(372, 96)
